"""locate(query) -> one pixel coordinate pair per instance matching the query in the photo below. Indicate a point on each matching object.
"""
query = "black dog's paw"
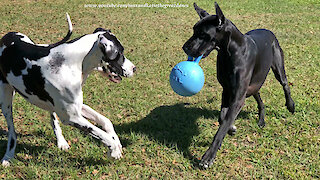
(207, 160)
(205, 164)
(232, 130)
(290, 106)
(261, 123)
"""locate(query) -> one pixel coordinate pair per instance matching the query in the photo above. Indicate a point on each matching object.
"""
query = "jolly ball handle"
(196, 60)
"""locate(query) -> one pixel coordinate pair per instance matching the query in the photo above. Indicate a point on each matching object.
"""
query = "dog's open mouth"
(114, 77)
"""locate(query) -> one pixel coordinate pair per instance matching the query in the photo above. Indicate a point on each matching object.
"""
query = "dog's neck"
(231, 43)
(91, 61)
(86, 53)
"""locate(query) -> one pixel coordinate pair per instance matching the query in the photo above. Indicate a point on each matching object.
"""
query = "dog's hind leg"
(261, 122)
(61, 142)
(6, 96)
(280, 74)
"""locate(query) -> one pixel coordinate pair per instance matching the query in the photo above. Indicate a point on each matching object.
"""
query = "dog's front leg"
(74, 118)
(91, 114)
(106, 124)
(224, 109)
(226, 120)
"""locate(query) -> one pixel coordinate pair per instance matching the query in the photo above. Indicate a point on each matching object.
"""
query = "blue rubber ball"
(187, 78)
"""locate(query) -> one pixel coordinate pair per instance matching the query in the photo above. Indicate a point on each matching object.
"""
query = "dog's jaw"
(128, 69)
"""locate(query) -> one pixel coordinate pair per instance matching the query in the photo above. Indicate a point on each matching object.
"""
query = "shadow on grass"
(174, 125)
(27, 148)
(171, 125)
(35, 149)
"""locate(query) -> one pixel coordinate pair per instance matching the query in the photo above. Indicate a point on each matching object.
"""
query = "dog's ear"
(202, 13)
(107, 47)
(219, 14)
(99, 29)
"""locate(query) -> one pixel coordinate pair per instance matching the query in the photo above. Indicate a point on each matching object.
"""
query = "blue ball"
(187, 78)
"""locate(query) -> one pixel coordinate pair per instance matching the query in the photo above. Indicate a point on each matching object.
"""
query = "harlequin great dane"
(51, 77)
(243, 63)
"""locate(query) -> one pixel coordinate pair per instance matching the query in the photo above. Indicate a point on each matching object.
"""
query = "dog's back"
(18, 65)
(267, 51)
(16, 46)
(264, 39)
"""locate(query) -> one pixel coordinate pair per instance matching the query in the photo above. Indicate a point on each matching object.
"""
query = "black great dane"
(243, 63)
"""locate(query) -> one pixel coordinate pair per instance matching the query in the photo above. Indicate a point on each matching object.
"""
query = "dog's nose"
(186, 48)
(134, 69)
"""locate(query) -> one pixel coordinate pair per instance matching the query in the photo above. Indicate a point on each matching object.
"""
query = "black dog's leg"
(232, 129)
(224, 109)
(280, 74)
(226, 122)
(261, 122)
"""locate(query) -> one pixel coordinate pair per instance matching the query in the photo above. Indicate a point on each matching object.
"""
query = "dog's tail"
(67, 37)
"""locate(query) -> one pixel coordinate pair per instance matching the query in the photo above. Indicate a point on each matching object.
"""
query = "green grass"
(165, 135)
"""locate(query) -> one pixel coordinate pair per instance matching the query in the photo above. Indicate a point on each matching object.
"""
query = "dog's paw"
(114, 145)
(63, 145)
(5, 163)
(290, 106)
(232, 130)
(261, 123)
(115, 152)
(205, 164)
(207, 159)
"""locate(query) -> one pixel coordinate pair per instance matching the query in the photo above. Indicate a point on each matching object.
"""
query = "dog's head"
(114, 64)
(208, 33)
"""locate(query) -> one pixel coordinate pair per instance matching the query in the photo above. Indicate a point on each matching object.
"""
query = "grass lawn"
(165, 135)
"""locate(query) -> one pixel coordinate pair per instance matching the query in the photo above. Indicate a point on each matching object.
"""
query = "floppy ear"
(107, 47)
(98, 29)
(101, 29)
(202, 13)
(219, 14)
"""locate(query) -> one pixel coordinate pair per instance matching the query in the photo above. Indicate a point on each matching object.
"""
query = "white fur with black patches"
(51, 77)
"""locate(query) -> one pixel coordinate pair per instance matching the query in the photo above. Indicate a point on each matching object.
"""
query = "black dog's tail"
(67, 37)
